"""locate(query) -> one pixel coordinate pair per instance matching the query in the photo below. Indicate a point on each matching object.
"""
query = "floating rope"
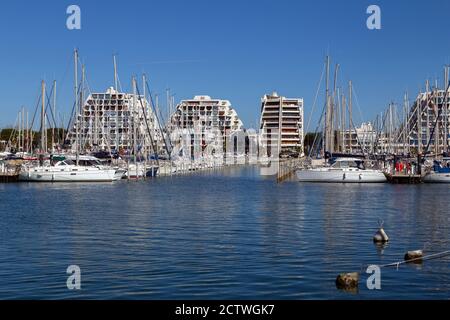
(429, 257)
(423, 258)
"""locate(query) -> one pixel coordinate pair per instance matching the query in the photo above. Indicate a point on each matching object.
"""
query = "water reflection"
(230, 234)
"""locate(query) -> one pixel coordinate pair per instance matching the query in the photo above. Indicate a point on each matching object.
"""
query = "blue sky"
(235, 50)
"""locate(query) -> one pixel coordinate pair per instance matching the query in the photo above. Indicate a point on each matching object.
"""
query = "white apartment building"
(281, 123)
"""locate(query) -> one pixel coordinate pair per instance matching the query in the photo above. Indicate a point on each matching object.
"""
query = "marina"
(127, 136)
(198, 150)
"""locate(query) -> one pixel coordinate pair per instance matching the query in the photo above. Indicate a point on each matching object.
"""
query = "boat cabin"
(345, 163)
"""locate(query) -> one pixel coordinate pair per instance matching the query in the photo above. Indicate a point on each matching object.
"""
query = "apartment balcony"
(270, 112)
(265, 116)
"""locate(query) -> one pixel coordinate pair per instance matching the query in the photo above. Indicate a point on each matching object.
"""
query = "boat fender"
(360, 176)
(343, 177)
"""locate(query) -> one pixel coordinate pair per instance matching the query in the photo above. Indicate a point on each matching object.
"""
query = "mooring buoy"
(380, 236)
(416, 255)
(347, 280)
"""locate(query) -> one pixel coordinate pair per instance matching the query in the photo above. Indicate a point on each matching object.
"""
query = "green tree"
(309, 140)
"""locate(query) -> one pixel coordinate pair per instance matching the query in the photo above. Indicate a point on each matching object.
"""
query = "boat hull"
(434, 177)
(340, 176)
(105, 175)
(141, 172)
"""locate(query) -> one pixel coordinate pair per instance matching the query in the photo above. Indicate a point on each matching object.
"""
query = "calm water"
(226, 235)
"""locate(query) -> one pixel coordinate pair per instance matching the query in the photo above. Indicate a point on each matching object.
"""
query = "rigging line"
(34, 117)
(316, 97)
(357, 103)
(38, 100)
(108, 134)
(62, 81)
(401, 125)
(352, 124)
(13, 131)
(148, 128)
(48, 106)
(379, 133)
(159, 122)
(74, 115)
(411, 114)
(316, 133)
(436, 122)
(35, 111)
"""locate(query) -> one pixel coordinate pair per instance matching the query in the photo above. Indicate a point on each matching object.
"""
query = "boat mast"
(20, 124)
(147, 113)
(19, 127)
(43, 118)
(115, 73)
(391, 128)
(334, 111)
(54, 115)
(437, 138)
(23, 128)
(168, 103)
(343, 112)
(408, 124)
(280, 126)
(445, 106)
(80, 103)
(135, 126)
(419, 125)
(77, 123)
(327, 104)
(27, 134)
(350, 114)
(427, 107)
(405, 121)
(116, 87)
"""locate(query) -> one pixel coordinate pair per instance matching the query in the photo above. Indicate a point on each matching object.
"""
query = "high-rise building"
(107, 121)
(428, 123)
(281, 124)
(208, 113)
(207, 123)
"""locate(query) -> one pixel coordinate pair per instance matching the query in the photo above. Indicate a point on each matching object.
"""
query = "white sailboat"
(343, 170)
(440, 173)
(67, 171)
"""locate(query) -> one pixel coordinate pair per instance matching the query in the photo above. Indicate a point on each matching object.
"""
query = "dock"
(9, 178)
(287, 169)
(400, 178)
(9, 172)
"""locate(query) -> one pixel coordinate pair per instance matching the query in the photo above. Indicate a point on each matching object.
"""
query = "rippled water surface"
(224, 235)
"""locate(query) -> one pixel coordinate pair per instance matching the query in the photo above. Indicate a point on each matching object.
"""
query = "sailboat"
(65, 169)
(344, 168)
(138, 167)
(440, 173)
